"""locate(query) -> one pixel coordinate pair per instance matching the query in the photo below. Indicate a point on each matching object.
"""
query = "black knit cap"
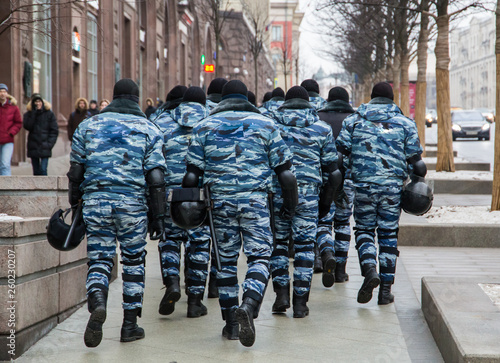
(278, 92)
(216, 86)
(310, 85)
(126, 88)
(251, 98)
(195, 94)
(338, 93)
(267, 97)
(297, 92)
(176, 92)
(234, 89)
(383, 89)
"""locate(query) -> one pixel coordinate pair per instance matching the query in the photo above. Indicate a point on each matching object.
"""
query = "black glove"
(340, 198)
(157, 228)
(286, 214)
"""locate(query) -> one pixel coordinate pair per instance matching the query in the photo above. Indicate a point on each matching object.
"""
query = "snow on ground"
(434, 160)
(493, 292)
(463, 215)
(6, 218)
(460, 175)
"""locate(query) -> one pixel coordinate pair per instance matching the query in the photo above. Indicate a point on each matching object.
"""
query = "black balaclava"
(176, 92)
(278, 92)
(235, 89)
(297, 92)
(338, 93)
(251, 98)
(310, 85)
(126, 88)
(267, 97)
(382, 89)
(216, 86)
(195, 94)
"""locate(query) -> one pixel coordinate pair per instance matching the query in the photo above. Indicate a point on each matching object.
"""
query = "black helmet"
(417, 196)
(187, 207)
(58, 230)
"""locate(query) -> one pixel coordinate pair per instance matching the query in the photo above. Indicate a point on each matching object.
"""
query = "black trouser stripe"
(387, 269)
(252, 294)
(198, 266)
(195, 283)
(229, 281)
(257, 276)
(132, 263)
(367, 256)
(228, 263)
(280, 272)
(301, 283)
(258, 258)
(98, 286)
(132, 278)
(132, 299)
(389, 250)
(303, 263)
(169, 248)
(342, 237)
(280, 252)
(228, 303)
(363, 240)
(341, 253)
(98, 270)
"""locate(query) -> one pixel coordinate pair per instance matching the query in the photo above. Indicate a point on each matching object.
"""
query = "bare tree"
(258, 16)
(216, 13)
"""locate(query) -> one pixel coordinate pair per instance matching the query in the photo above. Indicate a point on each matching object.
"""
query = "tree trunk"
(421, 92)
(445, 161)
(495, 197)
(396, 74)
(405, 83)
(256, 77)
(217, 54)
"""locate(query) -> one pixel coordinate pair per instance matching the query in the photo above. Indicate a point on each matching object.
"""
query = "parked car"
(469, 123)
(430, 117)
(487, 113)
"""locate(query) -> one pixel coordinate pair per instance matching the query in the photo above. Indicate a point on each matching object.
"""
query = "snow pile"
(460, 175)
(6, 218)
(463, 215)
(493, 292)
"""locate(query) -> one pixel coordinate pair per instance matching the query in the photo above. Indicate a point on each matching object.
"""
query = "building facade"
(472, 67)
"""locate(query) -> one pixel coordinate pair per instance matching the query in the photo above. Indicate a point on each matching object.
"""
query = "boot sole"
(132, 339)
(93, 332)
(366, 292)
(341, 278)
(197, 314)
(167, 304)
(280, 308)
(247, 331)
(301, 314)
(328, 277)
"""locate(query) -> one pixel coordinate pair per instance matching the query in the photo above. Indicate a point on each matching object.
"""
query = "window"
(42, 60)
(92, 57)
(277, 34)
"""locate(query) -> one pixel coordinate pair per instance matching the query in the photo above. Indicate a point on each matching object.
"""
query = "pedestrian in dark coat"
(42, 128)
(150, 109)
(93, 108)
(80, 113)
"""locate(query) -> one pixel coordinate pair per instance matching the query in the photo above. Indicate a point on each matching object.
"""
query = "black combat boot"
(130, 330)
(372, 280)
(97, 308)
(231, 329)
(244, 315)
(384, 293)
(300, 309)
(213, 292)
(329, 264)
(340, 274)
(172, 295)
(318, 265)
(282, 301)
(195, 306)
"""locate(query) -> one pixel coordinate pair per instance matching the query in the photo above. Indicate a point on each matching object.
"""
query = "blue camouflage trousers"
(378, 207)
(302, 228)
(108, 222)
(237, 222)
(197, 245)
(337, 219)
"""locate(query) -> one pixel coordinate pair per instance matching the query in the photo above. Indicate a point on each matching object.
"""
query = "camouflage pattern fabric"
(270, 106)
(378, 208)
(210, 105)
(117, 150)
(379, 139)
(242, 222)
(337, 219)
(162, 120)
(317, 102)
(237, 152)
(302, 228)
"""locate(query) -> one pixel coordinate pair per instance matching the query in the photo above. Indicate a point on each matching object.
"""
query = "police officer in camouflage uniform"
(382, 145)
(164, 113)
(177, 134)
(334, 251)
(277, 99)
(267, 97)
(214, 93)
(235, 151)
(116, 161)
(312, 89)
(314, 156)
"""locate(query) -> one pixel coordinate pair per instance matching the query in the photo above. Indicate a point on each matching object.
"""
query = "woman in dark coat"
(41, 123)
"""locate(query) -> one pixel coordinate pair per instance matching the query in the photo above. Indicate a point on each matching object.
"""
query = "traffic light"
(202, 59)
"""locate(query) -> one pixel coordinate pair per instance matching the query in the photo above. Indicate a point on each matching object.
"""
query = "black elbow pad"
(192, 177)
(289, 189)
(155, 178)
(157, 196)
(76, 176)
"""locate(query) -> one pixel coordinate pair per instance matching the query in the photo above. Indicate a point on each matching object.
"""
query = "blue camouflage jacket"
(237, 148)
(316, 101)
(213, 100)
(176, 135)
(310, 140)
(272, 105)
(117, 147)
(379, 140)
